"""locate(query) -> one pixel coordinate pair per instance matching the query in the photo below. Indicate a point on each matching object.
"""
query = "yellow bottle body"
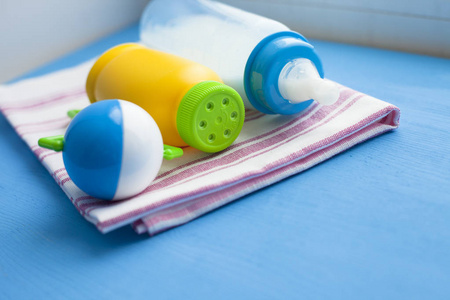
(154, 80)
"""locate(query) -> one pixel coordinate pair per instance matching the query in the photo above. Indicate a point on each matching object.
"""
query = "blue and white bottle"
(274, 69)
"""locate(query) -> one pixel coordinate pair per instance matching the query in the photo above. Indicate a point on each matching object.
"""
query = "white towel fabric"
(269, 148)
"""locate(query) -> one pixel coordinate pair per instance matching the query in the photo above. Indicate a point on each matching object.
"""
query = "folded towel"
(269, 148)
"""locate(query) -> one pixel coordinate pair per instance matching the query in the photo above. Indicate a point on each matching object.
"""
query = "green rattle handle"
(171, 152)
(72, 113)
(56, 143)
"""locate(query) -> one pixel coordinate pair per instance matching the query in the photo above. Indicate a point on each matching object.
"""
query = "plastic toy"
(112, 149)
(187, 100)
(277, 70)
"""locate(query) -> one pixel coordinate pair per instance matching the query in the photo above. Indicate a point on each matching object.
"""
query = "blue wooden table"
(371, 223)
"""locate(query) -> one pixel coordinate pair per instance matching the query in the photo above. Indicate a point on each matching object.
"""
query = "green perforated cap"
(210, 116)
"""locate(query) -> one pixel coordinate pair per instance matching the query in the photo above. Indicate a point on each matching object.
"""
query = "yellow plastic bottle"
(187, 100)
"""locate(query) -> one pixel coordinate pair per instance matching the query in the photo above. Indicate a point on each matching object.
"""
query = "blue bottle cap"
(264, 66)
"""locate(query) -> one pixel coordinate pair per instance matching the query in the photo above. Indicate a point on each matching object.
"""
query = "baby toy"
(112, 149)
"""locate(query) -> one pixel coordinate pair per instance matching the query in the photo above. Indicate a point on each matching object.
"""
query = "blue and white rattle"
(112, 149)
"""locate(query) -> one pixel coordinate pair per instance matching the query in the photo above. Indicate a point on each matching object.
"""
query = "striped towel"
(270, 148)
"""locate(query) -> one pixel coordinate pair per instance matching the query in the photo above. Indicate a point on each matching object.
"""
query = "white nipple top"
(299, 81)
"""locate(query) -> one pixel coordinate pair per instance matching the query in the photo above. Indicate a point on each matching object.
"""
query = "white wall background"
(420, 26)
(34, 32)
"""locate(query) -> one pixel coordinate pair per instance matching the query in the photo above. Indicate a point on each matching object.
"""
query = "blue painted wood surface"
(371, 223)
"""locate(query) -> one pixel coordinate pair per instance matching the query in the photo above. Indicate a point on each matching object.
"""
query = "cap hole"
(227, 133)
(211, 137)
(209, 106)
(203, 124)
(234, 115)
(225, 101)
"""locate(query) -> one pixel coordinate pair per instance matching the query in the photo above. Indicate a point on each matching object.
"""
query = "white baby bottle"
(276, 70)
